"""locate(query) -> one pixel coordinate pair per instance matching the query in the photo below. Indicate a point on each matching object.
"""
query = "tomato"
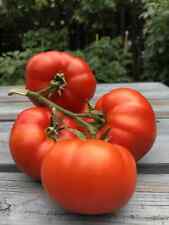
(29, 139)
(77, 82)
(89, 176)
(130, 120)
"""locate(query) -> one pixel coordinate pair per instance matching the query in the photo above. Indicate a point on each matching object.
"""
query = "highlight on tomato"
(89, 176)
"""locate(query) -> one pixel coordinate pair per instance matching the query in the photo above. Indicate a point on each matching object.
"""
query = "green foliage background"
(156, 31)
(122, 41)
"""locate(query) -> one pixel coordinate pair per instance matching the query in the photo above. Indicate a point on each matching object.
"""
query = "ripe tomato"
(29, 139)
(78, 80)
(130, 120)
(89, 176)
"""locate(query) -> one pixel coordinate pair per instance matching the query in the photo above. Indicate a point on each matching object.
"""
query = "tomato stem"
(54, 118)
(78, 133)
(43, 100)
(98, 116)
(50, 104)
(14, 92)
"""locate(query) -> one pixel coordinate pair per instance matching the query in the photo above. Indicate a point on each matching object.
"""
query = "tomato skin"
(130, 119)
(80, 81)
(29, 142)
(89, 177)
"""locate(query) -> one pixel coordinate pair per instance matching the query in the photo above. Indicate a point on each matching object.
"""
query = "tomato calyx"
(52, 133)
(57, 84)
(58, 127)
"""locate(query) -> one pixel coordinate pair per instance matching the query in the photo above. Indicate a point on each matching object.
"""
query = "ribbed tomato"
(70, 78)
(89, 176)
(130, 120)
(32, 136)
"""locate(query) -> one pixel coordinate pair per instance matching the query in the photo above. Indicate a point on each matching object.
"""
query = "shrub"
(12, 64)
(45, 39)
(156, 54)
(12, 67)
(108, 58)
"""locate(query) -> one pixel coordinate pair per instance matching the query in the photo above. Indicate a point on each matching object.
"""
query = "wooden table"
(24, 202)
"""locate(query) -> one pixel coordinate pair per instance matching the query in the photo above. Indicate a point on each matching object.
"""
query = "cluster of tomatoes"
(85, 156)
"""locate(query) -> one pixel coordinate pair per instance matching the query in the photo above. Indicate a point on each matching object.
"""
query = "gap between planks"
(142, 168)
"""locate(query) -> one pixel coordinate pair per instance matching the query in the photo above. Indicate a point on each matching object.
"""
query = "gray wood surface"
(155, 161)
(157, 94)
(24, 202)
(149, 88)
(9, 110)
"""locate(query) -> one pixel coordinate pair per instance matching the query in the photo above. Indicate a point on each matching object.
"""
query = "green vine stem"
(94, 115)
(78, 117)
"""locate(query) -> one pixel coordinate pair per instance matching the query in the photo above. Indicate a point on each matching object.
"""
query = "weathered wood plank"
(9, 110)
(24, 202)
(137, 85)
(156, 161)
(150, 89)
(4, 90)
(157, 93)
(144, 86)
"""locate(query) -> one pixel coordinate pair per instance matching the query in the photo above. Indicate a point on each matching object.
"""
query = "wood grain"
(23, 201)
(9, 110)
(150, 90)
(149, 87)
(156, 161)
(157, 93)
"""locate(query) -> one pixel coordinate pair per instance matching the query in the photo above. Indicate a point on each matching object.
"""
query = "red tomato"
(29, 141)
(79, 84)
(130, 120)
(89, 177)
